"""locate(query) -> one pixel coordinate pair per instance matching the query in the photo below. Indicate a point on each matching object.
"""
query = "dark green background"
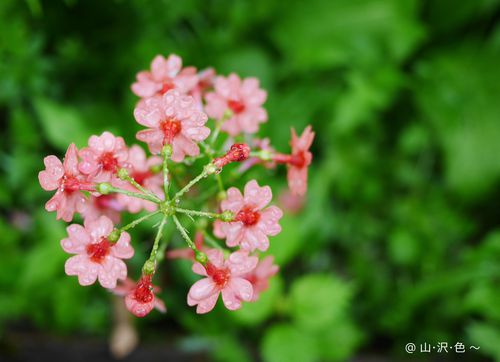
(399, 241)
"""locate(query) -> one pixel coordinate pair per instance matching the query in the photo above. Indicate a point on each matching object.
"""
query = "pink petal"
(199, 269)
(202, 289)
(234, 201)
(258, 196)
(77, 241)
(100, 228)
(206, 305)
(71, 160)
(240, 263)
(242, 288)
(230, 299)
(269, 218)
(297, 180)
(234, 232)
(122, 249)
(253, 239)
(216, 257)
(85, 269)
(111, 270)
(153, 137)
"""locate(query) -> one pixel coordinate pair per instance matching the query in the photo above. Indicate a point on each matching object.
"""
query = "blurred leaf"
(338, 341)
(62, 124)
(457, 94)
(487, 337)
(286, 343)
(319, 300)
(287, 244)
(347, 32)
(228, 349)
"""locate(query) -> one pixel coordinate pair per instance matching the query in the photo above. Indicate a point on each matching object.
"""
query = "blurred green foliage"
(399, 240)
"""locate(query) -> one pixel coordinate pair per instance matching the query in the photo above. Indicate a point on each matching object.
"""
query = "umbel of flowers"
(201, 122)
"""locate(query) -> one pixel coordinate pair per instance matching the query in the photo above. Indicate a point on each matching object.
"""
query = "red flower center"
(108, 161)
(166, 87)
(70, 183)
(298, 160)
(248, 216)
(143, 292)
(170, 128)
(140, 177)
(98, 251)
(103, 202)
(236, 106)
(219, 276)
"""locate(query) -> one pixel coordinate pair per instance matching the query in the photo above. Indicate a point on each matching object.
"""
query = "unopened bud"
(148, 267)
(237, 153)
(200, 257)
(122, 173)
(114, 236)
(227, 216)
(104, 188)
(167, 150)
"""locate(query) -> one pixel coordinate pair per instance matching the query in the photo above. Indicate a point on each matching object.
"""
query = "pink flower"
(172, 119)
(141, 299)
(165, 74)
(298, 161)
(96, 257)
(107, 205)
(68, 181)
(259, 277)
(104, 156)
(128, 288)
(139, 167)
(253, 221)
(243, 98)
(222, 277)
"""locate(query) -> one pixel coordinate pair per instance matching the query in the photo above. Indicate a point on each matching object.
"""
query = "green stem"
(211, 215)
(211, 241)
(184, 234)
(154, 251)
(139, 187)
(220, 184)
(148, 197)
(166, 152)
(191, 183)
(138, 221)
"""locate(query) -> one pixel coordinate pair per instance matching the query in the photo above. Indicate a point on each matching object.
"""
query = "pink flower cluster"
(187, 115)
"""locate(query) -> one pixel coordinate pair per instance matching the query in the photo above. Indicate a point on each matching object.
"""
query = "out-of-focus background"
(399, 240)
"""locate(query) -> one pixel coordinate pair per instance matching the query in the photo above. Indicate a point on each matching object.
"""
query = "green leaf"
(287, 343)
(318, 300)
(322, 33)
(62, 125)
(287, 244)
(487, 337)
(457, 93)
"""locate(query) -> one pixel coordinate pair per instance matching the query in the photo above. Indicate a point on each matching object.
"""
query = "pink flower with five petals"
(96, 257)
(165, 74)
(140, 297)
(172, 119)
(68, 181)
(253, 221)
(222, 276)
(243, 98)
(104, 156)
(299, 161)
